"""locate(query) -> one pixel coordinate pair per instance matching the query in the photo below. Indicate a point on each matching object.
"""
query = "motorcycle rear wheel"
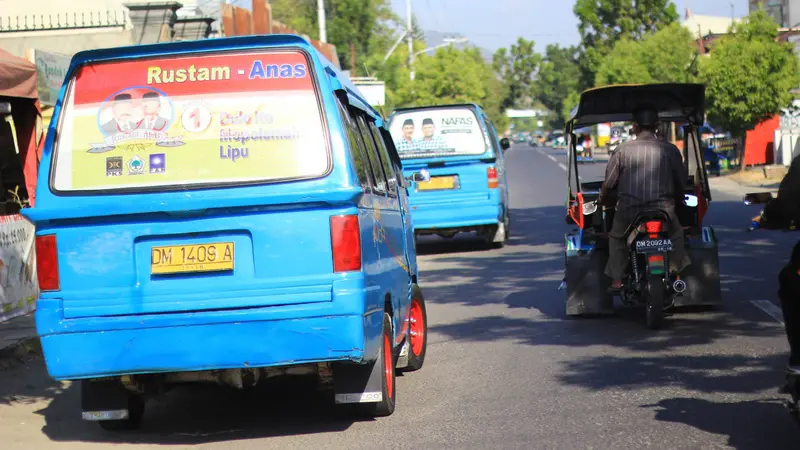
(654, 294)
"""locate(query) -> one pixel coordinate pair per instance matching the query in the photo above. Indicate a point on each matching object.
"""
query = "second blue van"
(467, 190)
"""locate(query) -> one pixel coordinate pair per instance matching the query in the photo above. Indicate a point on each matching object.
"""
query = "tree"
(446, 77)
(667, 56)
(749, 75)
(558, 78)
(368, 25)
(517, 67)
(601, 23)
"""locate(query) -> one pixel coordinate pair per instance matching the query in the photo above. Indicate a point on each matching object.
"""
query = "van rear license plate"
(654, 245)
(437, 183)
(211, 257)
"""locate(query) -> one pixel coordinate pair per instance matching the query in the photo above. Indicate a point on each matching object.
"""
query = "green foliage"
(365, 24)
(446, 77)
(517, 67)
(667, 56)
(749, 76)
(559, 76)
(602, 23)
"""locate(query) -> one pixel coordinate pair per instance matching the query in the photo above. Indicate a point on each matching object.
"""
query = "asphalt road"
(505, 367)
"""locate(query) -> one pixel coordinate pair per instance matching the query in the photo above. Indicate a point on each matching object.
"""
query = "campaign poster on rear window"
(224, 118)
(438, 132)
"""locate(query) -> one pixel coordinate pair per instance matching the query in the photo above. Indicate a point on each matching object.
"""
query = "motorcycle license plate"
(653, 245)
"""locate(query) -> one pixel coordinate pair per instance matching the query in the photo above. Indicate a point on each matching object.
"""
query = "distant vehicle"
(256, 225)
(648, 281)
(619, 135)
(467, 190)
(536, 139)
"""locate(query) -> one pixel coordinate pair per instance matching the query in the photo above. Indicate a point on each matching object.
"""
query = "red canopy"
(18, 86)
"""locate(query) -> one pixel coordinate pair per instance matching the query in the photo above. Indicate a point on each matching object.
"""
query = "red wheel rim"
(417, 327)
(387, 364)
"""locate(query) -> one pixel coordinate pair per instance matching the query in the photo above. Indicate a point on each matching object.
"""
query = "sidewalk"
(16, 331)
(730, 184)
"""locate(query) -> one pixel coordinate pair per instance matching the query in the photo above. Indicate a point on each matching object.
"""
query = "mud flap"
(105, 399)
(358, 383)
(402, 358)
(587, 285)
(702, 275)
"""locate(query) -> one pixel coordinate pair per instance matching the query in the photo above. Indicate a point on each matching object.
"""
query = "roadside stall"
(21, 143)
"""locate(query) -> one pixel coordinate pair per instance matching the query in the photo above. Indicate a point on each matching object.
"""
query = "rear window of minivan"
(438, 132)
(208, 119)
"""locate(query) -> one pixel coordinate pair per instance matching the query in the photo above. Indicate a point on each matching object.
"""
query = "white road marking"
(552, 158)
(563, 167)
(770, 308)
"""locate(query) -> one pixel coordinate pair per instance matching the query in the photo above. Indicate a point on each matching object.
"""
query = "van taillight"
(346, 243)
(47, 262)
(492, 172)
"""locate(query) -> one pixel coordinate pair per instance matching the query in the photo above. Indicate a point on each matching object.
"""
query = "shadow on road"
(200, 414)
(735, 420)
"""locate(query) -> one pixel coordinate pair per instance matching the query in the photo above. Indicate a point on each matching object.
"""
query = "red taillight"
(655, 259)
(346, 243)
(47, 262)
(653, 226)
(492, 173)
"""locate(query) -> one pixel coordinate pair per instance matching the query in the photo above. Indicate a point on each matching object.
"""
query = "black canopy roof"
(674, 101)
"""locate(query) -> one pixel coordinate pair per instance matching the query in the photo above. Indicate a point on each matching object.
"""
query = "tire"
(387, 361)
(418, 331)
(654, 304)
(134, 420)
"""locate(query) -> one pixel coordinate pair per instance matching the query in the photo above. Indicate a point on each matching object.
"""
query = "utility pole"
(323, 35)
(410, 37)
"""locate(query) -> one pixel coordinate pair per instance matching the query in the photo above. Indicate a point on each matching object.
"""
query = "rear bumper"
(455, 215)
(210, 340)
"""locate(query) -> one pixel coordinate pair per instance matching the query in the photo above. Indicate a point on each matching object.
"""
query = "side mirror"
(757, 198)
(589, 208)
(690, 200)
(504, 144)
(421, 176)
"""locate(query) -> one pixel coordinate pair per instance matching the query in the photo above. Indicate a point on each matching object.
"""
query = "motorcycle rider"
(647, 174)
(783, 212)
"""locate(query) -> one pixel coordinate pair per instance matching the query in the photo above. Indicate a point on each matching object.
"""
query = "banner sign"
(19, 287)
(51, 68)
(202, 119)
(428, 133)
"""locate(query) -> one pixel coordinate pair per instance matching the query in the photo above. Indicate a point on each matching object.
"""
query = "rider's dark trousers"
(618, 250)
(789, 293)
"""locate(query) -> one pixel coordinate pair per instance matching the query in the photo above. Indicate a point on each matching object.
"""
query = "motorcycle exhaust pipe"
(679, 286)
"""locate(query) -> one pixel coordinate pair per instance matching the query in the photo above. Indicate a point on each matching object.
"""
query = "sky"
(543, 21)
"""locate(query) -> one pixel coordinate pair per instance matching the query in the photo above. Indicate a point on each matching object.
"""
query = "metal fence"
(63, 21)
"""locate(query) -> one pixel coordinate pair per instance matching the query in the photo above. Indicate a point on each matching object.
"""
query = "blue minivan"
(226, 211)
(467, 191)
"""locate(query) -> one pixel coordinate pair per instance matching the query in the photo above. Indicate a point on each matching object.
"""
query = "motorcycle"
(648, 280)
(792, 376)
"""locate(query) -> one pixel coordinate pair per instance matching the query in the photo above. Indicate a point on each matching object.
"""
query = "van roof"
(253, 42)
(455, 105)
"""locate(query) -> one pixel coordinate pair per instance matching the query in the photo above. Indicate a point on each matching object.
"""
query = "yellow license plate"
(437, 183)
(212, 257)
